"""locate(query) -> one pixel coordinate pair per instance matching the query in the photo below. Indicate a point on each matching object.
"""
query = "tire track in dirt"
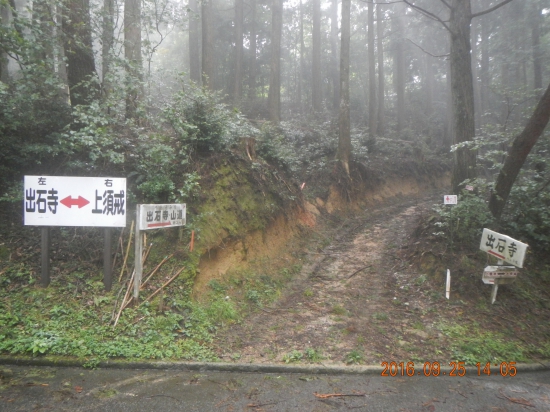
(333, 306)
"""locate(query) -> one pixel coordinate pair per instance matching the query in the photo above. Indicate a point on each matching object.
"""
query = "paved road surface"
(29, 388)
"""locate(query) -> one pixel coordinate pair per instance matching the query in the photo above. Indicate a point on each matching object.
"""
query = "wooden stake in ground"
(127, 252)
(123, 304)
(146, 254)
(192, 244)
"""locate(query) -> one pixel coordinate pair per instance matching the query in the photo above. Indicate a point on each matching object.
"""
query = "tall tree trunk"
(302, 60)
(372, 70)
(428, 84)
(381, 83)
(64, 94)
(107, 41)
(475, 77)
(535, 41)
(208, 58)
(484, 71)
(252, 58)
(194, 42)
(517, 154)
(239, 51)
(344, 136)
(274, 96)
(79, 52)
(516, 11)
(132, 53)
(462, 89)
(41, 12)
(4, 61)
(450, 127)
(399, 73)
(316, 93)
(335, 76)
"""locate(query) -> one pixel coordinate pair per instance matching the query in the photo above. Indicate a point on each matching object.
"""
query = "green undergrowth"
(74, 317)
(472, 343)
(241, 292)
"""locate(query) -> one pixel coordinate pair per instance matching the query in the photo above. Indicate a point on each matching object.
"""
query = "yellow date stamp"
(392, 369)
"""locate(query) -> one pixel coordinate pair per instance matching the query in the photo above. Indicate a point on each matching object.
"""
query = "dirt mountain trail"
(355, 301)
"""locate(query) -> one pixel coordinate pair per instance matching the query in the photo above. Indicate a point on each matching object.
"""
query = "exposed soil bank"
(234, 254)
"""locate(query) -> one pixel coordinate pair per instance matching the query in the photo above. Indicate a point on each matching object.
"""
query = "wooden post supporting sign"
(45, 261)
(107, 263)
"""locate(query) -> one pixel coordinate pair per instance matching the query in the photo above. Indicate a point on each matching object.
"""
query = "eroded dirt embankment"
(276, 239)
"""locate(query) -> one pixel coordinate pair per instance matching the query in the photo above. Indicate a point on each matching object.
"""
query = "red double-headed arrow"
(69, 201)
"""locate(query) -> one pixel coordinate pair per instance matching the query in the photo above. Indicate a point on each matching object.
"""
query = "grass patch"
(309, 355)
(380, 316)
(308, 293)
(472, 345)
(339, 310)
(313, 355)
(354, 357)
(294, 356)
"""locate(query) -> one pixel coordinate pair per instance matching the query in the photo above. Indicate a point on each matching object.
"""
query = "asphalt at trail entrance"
(27, 388)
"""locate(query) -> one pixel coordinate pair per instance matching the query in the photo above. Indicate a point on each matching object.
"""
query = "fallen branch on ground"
(162, 287)
(155, 270)
(358, 270)
(336, 395)
(520, 401)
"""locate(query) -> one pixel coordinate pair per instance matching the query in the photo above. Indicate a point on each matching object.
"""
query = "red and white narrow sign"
(450, 199)
(159, 216)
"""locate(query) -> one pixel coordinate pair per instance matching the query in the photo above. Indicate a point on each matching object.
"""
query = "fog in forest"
(399, 56)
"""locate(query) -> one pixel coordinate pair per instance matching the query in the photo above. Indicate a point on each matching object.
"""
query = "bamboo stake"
(163, 286)
(122, 305)
(127, 252)
(124, 302)
(155, 270)
(116, 303)
(146, 254)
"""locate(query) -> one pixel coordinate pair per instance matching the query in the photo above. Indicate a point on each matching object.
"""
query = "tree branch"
(446, 4)
(427, 52)
(380, 2)
(498, 6)
(429, 14)
(517, 154)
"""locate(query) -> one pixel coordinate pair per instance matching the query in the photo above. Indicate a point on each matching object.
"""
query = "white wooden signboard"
(75, 201)
(499, 274)
(161, 216)
(154, 217)
(450, 199)
(503, 247)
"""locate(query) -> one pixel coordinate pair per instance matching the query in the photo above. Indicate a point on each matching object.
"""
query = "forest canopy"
(115, 87)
